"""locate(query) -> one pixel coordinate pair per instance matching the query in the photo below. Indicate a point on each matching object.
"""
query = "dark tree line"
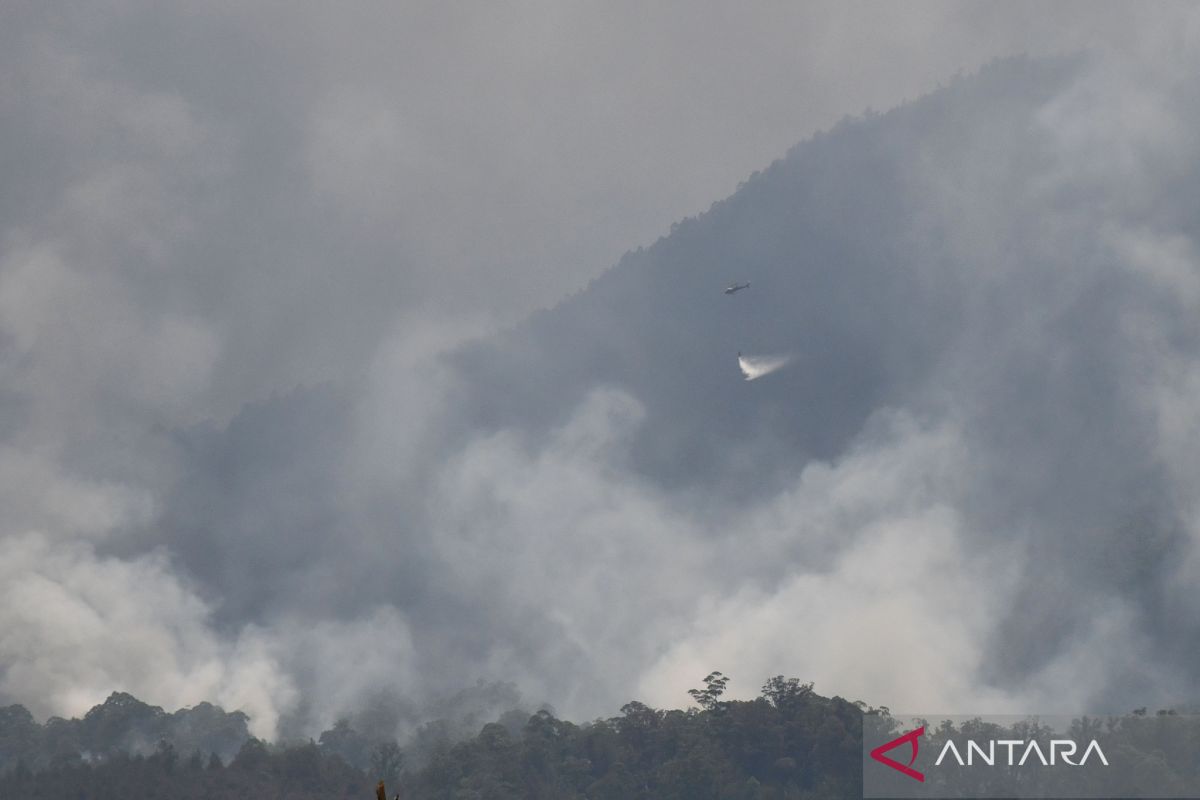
(300, 772)
(121, 725)
(788, 743)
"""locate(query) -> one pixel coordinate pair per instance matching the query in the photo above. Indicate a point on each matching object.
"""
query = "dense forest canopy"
(787, 743)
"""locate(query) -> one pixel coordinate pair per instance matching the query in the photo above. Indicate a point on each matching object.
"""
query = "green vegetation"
(788, 743)
(121, 725)
(256, 772)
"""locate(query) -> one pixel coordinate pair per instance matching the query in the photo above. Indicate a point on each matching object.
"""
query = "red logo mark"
(910, 737)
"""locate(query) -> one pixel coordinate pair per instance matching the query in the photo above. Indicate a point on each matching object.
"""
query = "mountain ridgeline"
(977, 353)
(849, 272)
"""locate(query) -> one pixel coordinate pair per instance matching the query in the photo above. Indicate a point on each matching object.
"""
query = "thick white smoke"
(210, 209)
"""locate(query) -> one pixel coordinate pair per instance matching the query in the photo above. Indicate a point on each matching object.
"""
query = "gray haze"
(282, 427)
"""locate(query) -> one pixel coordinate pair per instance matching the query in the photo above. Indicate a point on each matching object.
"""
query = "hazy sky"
(236, 238)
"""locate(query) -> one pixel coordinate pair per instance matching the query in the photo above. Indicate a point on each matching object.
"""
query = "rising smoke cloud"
(262, 442)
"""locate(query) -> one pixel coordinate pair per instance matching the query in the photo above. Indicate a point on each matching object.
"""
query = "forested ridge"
(786, 744)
